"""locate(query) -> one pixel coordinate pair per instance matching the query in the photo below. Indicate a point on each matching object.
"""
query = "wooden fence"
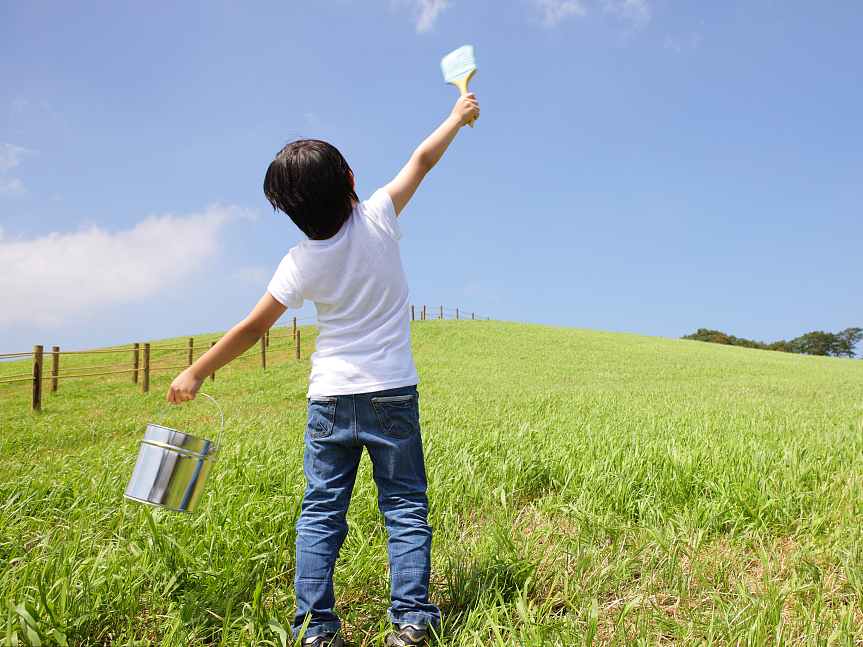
(441, 312)
(146, 358)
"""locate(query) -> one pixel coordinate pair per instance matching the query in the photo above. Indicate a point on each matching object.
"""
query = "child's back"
(363, 384)
(358, 284)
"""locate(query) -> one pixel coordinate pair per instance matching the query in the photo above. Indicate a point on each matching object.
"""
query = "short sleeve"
(379, 208)
(285, 287)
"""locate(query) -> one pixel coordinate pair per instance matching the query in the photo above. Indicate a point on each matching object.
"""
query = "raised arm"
(402, 188)
(235, 342)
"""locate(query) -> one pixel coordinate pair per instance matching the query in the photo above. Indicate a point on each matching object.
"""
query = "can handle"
(219, 442)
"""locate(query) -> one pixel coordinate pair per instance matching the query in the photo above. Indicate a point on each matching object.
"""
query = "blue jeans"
(386, 423)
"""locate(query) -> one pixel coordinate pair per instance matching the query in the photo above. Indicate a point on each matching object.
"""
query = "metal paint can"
(172, 467)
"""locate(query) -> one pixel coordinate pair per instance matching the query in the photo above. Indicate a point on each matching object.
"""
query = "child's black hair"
(310, 181)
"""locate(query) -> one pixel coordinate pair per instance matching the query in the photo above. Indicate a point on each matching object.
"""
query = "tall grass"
(586, 488)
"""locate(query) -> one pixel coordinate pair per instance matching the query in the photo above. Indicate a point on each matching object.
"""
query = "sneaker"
(406, 635)
(324, 640)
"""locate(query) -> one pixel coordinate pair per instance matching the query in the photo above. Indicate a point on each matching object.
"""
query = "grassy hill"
(586, 488)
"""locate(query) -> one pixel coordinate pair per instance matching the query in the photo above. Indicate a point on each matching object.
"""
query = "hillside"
(585, 486)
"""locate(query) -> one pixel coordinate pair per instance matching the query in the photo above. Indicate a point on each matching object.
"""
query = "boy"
(362, 390)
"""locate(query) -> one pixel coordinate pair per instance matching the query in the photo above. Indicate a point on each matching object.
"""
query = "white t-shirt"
(358, 284)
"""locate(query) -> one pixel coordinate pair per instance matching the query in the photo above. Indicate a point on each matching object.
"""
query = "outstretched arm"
(235, 342)
(402, 188)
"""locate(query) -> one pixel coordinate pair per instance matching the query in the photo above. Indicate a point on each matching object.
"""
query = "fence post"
(456, 314)
(295, 329)
(135, 363)
(264, 350)
(145, 379)
(298, 344)
(471, 315)
(441, 313)
(424, 313)
(55, 368)
(412, 313)
(213, 374)
(36, 395)
(191, 354)
(268, 339)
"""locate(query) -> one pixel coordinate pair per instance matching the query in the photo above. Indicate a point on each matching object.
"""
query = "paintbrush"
(458, 67)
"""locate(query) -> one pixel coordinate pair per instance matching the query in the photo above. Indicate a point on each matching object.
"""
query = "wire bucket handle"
(215, 449)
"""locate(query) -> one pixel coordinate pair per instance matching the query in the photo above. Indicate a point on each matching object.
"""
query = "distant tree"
(814, 343)
(712, 336)
(717, 337)
(827, 343)
(746, 343)
(847, 340)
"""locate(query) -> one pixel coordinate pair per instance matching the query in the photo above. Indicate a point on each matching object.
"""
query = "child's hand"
(184, 387)
(466, 109)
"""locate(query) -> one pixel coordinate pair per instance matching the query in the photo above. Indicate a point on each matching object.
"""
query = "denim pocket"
(322, 415)
(398, 414)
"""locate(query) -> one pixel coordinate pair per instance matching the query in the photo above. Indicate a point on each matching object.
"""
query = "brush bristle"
(458, 63)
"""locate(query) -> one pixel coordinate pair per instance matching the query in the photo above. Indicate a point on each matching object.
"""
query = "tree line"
(840, 344)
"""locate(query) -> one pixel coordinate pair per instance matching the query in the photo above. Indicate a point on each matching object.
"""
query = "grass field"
(587, 488)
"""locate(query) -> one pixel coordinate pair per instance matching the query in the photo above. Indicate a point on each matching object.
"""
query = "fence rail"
(420, 313)
(143, 362)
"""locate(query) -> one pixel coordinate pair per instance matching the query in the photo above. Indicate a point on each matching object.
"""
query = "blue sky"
(643, 166)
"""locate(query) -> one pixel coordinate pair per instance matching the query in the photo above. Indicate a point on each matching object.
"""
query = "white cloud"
(556, 10)
(22, 106)
(680, 45)
(10, 157)
(428, 13)
(58, 278)
(425, 12)
(11, 186)
(635, 12)
(18, 106)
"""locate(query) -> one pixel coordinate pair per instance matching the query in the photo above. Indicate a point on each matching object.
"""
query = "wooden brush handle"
(461, 84)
